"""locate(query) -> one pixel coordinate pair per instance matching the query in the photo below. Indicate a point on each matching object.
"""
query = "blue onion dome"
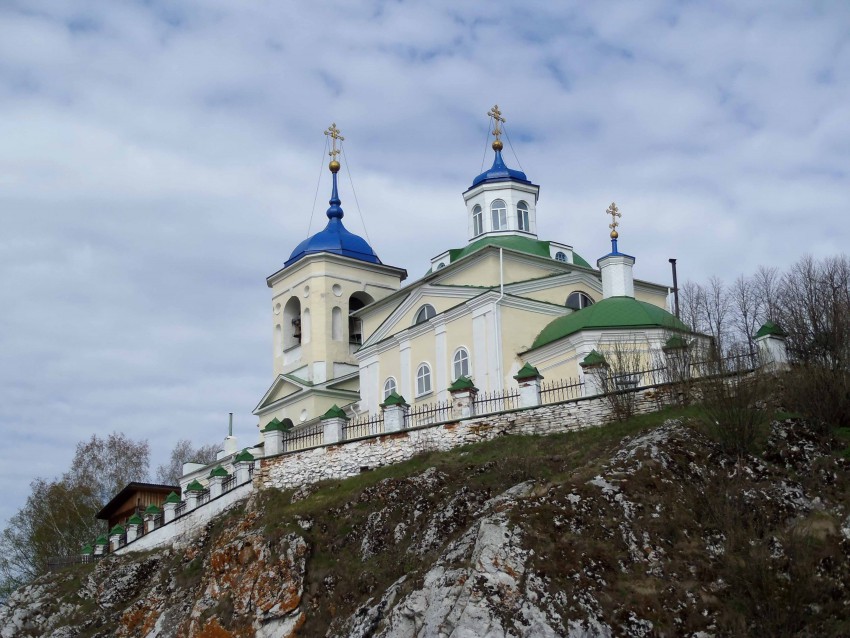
(499, 172)
(335, 238)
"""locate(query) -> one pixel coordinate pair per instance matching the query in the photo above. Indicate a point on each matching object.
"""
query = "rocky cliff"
(644, 529)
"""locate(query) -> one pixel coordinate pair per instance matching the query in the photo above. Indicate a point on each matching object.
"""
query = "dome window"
(561, 256)
(460, 364)
(499, 215)
(522, 217)
(477, 221)
(389, 387)
(423, 379)
(424, 314)
(578, 300)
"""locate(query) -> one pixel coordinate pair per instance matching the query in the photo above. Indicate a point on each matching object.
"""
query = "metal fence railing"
(308, 436)
(561, 390)
(228, 484)
(364, 427)
(495, 401)
(428, 413)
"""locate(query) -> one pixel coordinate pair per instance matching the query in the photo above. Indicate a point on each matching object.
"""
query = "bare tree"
(59, 515)
(691, 304)
(745, 310)
(716, 307)
(766, 284)
(184, 452)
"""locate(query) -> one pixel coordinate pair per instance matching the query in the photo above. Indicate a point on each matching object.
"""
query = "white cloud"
(159, 160)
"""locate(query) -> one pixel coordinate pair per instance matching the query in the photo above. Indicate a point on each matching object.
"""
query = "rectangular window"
(523, 220)
(477, 223)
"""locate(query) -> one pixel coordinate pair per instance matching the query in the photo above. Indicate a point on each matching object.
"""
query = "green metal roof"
(172, 498)
(135, 519)
(244, 455)
(527, 371)
(511, 242)
(195, 486)
(462, 383)
(118, 529)
(614, 312)
(219, 471)
(152, 509)
(102, 540)
(394, 399)
(334, 412)
(770, 328)
(592, 359)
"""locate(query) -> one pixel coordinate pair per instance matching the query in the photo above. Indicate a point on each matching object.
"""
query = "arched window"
(389, 387)
(522, 216)
(460, 364)
(578, 300)
(499, 214)
(423, 379)
(336, 323)
(560, 256)
(292, 323)
(424, 313)
(477, 221)
(355, 326)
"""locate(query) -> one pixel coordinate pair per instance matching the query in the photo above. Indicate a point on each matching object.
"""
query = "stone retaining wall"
(341, 461)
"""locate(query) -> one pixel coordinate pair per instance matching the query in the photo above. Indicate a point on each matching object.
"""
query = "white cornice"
(347, 262)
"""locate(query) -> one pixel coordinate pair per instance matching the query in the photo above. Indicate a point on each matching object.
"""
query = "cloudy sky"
(158, 160)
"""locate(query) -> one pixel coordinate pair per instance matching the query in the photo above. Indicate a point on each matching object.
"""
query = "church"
(347, 330)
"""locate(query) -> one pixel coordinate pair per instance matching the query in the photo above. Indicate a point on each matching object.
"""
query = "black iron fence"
(561, 390)
(228, 484)
(60, 562)
(428, 413)
(364, 427)
(495, 401)
(308, 436)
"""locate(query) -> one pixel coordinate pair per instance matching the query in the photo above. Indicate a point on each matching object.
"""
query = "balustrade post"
(529, 379)
(463, 393)
(595, 370)
(169, 507)
(772, 351)
(395, 412)
(332, 422)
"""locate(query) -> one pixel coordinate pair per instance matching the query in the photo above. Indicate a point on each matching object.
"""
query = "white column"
(333, 429)
(480, 362)
(404, 371)
(441, 362)
(169, 512)
(394, 416)
(215, 486)
(243, 471)
(273, 442)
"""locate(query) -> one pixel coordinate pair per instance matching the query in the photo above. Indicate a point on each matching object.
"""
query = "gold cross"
(333, 133)
(615, 213)
(496, 114)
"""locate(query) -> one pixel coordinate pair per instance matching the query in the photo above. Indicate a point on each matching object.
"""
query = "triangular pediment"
(281, 388)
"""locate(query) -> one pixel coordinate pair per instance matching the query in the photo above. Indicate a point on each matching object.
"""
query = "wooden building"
(134, 499)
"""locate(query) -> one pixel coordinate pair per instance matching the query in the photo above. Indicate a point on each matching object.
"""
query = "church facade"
(346, 332)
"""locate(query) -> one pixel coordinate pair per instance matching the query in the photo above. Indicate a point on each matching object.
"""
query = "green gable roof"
(172, 498)
(676, 342)
(135, 519)
(462, 383)
(770, 328)
(394, 399)
(527, 371)
(101, 540)
(118, 529)
(614, 312)
(244, 455)
(511, 242)
(87, 550)
(219, 471)
(334, 412)
(592, 359)
(274, 424)
(153, 509)
(195, 486)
